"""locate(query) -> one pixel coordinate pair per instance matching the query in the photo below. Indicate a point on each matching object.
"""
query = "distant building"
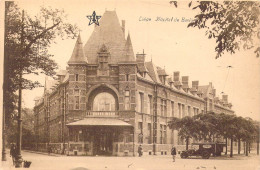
(109, 101)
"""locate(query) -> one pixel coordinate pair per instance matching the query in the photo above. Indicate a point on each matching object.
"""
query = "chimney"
(195, 84)
(140, 58)
(176, 79)
(225, 98)
(185, 80)
(214, 92)
(123, 26)
(176, 76)
(185, 83)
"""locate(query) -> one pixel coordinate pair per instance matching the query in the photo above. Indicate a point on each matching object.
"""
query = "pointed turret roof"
(78, 56)
(110, 33)
(129, 52)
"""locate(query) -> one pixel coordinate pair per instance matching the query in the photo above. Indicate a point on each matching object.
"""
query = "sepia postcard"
(141, 85)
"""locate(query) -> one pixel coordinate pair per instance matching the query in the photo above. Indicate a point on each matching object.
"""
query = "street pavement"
(43, 161)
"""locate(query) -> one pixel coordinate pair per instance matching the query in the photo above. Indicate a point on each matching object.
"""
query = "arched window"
(104, 102)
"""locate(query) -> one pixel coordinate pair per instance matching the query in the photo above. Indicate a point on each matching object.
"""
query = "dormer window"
(162, 78)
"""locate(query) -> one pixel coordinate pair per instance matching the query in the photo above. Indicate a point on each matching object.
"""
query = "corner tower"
(76, 93)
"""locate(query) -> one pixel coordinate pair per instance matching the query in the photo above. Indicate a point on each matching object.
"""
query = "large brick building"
(108, 100)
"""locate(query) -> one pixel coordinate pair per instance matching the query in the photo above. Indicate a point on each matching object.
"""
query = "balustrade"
(101, 114)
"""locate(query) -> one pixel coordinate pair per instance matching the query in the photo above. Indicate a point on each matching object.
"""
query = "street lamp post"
(19, 159)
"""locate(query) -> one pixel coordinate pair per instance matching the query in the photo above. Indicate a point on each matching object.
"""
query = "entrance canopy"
(99, 122)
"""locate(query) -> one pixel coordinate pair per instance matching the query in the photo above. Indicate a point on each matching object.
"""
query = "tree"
(184, 127)
(233, 24)
(26, 52)
(210, 125)
(241, 131)
(26, 48)
(206, 126)
(28, 132)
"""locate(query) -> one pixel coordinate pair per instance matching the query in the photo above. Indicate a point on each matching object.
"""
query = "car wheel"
(205, 155)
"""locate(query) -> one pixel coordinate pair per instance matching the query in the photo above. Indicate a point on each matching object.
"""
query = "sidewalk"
(44, 153)
(8, 164)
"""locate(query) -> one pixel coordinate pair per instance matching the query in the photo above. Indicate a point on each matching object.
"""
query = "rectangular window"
(140, 126)
(163, 107)
(149, 104)
(80, 135)
(76, 77)
(164, 134)
(172, 108)
(141, 102)
(140, 135)
(194, 111)
(189, 112)
(161, 134)
(127, 100)
(179, 108)
(183, 111)
(127, 77)
(76, 102)
(149, 127)
(76, 92)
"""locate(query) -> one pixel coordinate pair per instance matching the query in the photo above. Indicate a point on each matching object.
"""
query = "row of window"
(163, 133)
(183, 110)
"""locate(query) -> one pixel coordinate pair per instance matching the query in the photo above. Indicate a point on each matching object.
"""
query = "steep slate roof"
(66, 78)
(161, 72)
(141, 67)
(152, 71)
(110, 33)
(129, 52)
(49, 84)
(78, 56)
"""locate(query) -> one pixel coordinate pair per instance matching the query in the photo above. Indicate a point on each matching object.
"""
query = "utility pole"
(19, 117)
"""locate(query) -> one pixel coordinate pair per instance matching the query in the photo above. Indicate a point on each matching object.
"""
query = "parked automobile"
(205, 150)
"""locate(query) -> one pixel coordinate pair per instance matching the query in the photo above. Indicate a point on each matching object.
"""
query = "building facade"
(108, 101)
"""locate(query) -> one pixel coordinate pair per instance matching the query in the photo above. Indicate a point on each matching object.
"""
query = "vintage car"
(204, 150)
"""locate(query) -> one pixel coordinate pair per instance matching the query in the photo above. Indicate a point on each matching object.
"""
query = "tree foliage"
(210, 125)
(26, 45)
(233, 24)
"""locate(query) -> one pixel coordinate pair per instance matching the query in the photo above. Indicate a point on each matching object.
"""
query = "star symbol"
(93, 19)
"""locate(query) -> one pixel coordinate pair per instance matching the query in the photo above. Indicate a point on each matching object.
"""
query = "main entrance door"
(103, 142)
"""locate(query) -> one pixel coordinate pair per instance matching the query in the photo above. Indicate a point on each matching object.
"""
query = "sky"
(168, 44)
